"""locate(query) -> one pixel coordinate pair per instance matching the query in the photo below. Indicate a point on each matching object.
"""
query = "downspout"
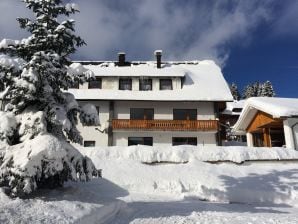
(110, 128)
(216, 113)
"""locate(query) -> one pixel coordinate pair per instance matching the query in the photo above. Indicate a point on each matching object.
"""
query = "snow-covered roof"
(234, 108)
(147, 70)
(276, 107)
(203, 81)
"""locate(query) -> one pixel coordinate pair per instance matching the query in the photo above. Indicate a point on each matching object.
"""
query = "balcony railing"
(165, 125)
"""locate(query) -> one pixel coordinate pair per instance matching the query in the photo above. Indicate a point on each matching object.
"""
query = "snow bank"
(262, 182)
(183, 154)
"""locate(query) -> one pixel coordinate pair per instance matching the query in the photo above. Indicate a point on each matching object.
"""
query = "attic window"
(145, 84)
(125, 84)
(165, 84)
(95, 84)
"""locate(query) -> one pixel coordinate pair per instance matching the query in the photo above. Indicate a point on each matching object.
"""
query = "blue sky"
(250, 39)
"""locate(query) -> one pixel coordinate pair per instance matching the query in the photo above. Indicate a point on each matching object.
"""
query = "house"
(269, 122)
(154, 102)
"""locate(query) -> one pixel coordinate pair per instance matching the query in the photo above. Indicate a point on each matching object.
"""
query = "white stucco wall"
(164, 138)
(164, 110)
(249, 139)
(90, 133)
(291, 132)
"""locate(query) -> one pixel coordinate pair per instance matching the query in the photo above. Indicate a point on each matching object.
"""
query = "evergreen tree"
(257, 89)
(267, 89)
(248, 92)
(38, 115)
(234, 91)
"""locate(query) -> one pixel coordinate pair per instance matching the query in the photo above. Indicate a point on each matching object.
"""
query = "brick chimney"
(121, 59)
(158, 54)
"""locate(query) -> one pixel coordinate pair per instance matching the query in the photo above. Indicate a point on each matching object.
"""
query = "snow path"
(194, 211)
(75, 203)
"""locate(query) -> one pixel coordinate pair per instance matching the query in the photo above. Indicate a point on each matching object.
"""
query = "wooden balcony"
(165, 125)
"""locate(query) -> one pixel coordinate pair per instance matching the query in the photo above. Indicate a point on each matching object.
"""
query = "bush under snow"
(42, 160)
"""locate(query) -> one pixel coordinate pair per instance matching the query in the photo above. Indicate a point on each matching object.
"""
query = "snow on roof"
(231, 106)
(203, 81)
(277, 107)
(148, 70)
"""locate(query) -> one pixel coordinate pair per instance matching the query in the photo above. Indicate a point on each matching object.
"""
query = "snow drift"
(185, 175)
(183, 154)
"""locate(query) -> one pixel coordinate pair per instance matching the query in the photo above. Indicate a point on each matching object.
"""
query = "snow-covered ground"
(181, 189)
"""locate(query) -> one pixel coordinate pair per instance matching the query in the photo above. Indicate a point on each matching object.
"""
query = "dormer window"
(95, 83)
(165, 84)
(145, 84)
(125, 84)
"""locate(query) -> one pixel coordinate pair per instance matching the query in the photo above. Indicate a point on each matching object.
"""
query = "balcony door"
(185, 114)
(141, 113)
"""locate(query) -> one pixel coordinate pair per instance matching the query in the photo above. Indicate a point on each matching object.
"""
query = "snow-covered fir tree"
(248, 91)
(234, 90)
(267, 89)
(38, 117)
(258, 89)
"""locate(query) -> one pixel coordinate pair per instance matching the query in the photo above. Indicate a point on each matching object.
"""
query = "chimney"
(121, 58)
(158, 54)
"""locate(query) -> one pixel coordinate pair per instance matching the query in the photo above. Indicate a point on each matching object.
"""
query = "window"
(89, 143)
(95, 83)
(140, 141)
(165, 84)
(184, 141)
(125, 84)
(75, 85)
(185, 114)
(145, 84)
(141, 114)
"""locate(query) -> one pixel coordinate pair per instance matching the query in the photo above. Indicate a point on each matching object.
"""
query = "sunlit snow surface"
(183, 192)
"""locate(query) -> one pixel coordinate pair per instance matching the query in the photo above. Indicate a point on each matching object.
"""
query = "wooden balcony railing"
(165, 125)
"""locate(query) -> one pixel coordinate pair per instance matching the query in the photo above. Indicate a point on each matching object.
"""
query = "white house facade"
(153, 102)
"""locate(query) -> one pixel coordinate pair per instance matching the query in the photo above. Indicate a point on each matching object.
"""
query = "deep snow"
(132, 191)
